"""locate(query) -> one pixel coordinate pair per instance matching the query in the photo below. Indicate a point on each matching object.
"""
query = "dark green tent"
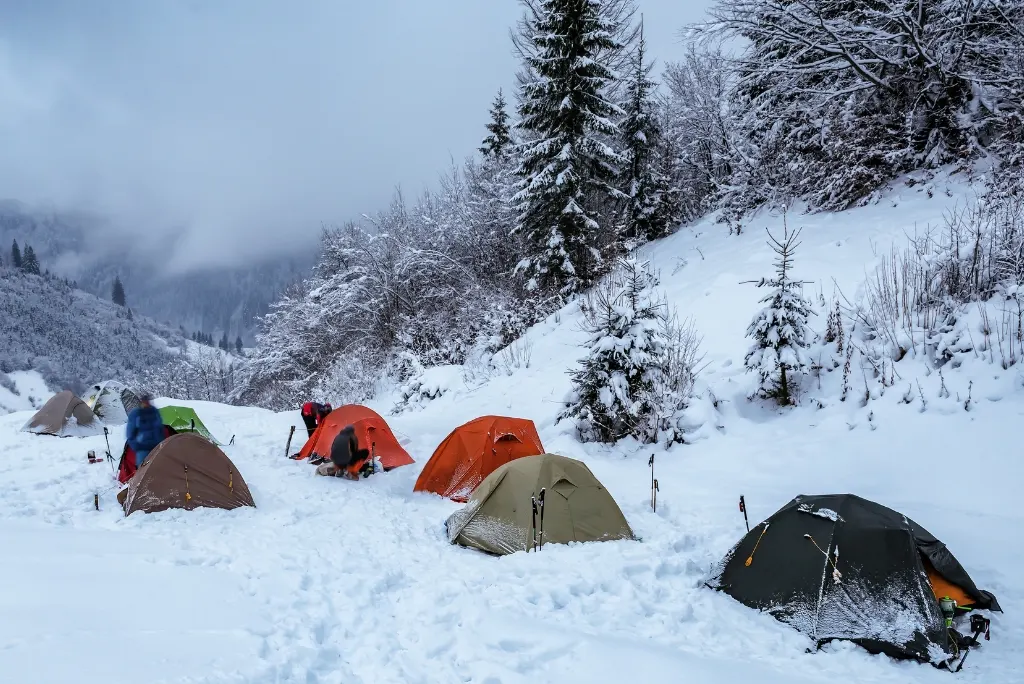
(843, 567)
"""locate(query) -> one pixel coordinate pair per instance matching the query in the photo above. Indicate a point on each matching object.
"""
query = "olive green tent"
(499, 516)
(184, 419)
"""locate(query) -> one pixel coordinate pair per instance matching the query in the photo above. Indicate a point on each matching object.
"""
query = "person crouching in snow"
(347, 459)
(145, 429)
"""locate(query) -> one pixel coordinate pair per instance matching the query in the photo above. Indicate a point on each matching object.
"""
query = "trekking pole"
(540, 535)
(533, 525)
(288, 446)
(743, 509)
(979, 624)
(110, 457)
(654, 486)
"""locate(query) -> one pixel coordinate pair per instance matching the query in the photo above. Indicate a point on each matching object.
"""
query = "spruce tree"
(499, 137)
(15, 255)
(642, 182)
(224, 343)
(614, 390)
(29, 262)
(118, 292)
(779, 330)
(568, 167)
(238, 344)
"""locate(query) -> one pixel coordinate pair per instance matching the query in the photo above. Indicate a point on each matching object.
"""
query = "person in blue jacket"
(145, 429)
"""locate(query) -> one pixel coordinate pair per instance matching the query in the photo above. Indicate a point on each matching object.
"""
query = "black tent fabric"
(842, 567)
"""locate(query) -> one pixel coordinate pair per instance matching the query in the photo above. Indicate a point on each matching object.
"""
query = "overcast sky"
(242, 125)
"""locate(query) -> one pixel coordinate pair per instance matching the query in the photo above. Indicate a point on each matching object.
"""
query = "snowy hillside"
(334, 581)
(89, 250)
(71, 337)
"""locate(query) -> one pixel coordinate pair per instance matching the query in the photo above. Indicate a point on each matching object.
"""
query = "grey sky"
(242, 125)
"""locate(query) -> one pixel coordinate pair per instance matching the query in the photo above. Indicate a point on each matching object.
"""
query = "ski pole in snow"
(743, 509)
(540, 535)
(110, 457)
(533, 525)
(654, 486)
(288, 447)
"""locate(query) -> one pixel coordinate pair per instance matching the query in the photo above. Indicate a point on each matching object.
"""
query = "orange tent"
(372, 431)
(475, 450)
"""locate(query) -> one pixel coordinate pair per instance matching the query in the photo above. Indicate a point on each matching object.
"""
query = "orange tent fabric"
(475, 450)
(372, 431)
(943, 587)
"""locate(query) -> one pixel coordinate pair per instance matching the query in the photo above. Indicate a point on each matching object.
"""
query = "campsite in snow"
(705, 369)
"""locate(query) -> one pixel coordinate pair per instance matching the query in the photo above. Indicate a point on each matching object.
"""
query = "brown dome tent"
(65, 415)
(473, 451)
(185, 471)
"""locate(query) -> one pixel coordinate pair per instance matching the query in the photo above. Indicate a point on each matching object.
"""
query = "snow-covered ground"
(335, 581)
(22, 391)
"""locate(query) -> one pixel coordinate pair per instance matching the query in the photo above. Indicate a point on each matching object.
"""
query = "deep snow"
(335, 581)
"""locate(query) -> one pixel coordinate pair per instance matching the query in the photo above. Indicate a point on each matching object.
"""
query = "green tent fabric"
(184, 419)
(499, 517)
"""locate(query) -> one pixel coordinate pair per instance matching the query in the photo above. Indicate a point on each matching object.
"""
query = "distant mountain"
(72, 338)
(213, 300)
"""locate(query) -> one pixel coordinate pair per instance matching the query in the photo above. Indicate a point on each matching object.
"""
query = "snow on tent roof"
(112, 401)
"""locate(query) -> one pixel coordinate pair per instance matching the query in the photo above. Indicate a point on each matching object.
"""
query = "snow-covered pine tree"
(117, 292)
(779, 330)
(238, 345)
(15, 255)
(499, 137)
(641, 179)
(568, 168)
(29, 262)
(613, 390)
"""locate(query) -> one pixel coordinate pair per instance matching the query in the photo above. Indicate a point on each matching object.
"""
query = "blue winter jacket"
(145, 429)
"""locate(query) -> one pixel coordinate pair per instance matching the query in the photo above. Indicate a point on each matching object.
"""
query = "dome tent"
(112, 401)
(499, 518)
(842, 567)
(64, 415)
(371, 430)
(185, 471)
(475, 450)
(184, 419)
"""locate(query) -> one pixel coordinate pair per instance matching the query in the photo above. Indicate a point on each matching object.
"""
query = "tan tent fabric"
(498, 518)
(186, 471)
(65, 415)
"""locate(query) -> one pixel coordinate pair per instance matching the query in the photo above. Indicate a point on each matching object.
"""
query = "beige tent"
(65, 415)
(499, 516)
(185, 471)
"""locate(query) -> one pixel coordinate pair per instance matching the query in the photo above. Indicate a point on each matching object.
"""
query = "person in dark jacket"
(347, 457)
(145, 429)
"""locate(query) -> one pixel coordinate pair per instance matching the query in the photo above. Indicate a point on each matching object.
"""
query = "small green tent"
(499, 516)
(184, 419)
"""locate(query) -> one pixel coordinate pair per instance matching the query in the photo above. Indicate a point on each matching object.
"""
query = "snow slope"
(333, 581)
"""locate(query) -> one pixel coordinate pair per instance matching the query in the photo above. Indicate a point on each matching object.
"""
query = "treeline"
(826, 104)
